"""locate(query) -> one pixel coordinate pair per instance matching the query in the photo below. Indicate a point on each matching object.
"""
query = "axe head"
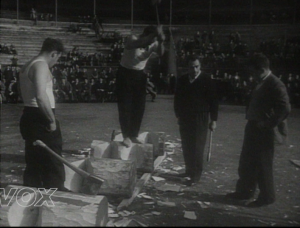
(91, 185)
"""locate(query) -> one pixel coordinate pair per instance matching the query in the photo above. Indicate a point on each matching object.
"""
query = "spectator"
(86, 90)
(2, 91)
(14, 61)
(77, 87)
(172, 83)
(66, 90)
(101, 90)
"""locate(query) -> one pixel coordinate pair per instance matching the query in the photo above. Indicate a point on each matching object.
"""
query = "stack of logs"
(112, 161)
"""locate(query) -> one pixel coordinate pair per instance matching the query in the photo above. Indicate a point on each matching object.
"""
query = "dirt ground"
(82, 123)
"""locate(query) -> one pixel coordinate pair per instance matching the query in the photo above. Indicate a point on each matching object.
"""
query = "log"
(120, 176)
(146, 158)
(142, 154)
(71, 209)
(73, 180)
(151, 138)
(17, 212)
(101, 149)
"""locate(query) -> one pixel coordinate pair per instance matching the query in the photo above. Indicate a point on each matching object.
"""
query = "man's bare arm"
(140, 42)
(40, 74)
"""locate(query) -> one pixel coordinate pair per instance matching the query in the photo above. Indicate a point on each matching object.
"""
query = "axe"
(97, 181)
(209, 146)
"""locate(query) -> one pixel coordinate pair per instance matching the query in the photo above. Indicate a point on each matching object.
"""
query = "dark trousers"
(256, 163)
(42, 170)
(193, 132)
(131, 95)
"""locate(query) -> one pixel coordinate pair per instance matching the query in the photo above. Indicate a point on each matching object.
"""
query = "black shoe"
(237, 196)
(259, 203)
(188, 181)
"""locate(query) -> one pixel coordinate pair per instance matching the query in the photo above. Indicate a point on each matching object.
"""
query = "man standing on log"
(196, 108)
(38, 119)
(269, 106)
(132, 80)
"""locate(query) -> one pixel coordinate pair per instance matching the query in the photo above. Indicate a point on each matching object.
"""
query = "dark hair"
(149, 29)
(50, 45)
(193, 58)
(259, 61)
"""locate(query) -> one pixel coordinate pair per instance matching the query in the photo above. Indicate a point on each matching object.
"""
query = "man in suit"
(196, 108)
(269, 105)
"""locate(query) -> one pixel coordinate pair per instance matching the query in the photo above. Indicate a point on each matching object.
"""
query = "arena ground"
(82, 123)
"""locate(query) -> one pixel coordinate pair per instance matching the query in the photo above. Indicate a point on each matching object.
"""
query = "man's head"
(194, 65)
(52, 49)
(258, 66)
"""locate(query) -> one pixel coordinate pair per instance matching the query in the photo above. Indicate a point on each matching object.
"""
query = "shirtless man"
(131, 80)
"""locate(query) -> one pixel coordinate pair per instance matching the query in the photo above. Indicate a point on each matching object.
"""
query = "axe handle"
(81, 172)
(209, 146)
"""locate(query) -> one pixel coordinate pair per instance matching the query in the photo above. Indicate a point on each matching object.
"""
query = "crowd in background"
(77, 84)
(90, 77)
(211, 52)
(8, 49)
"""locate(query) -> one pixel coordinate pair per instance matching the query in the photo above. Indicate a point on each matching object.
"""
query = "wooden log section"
(101, 149)
(155, 138)
(73, 180)
(71, 209)
(142, 154)
(151, 138)
(18, 212)
(120, 176)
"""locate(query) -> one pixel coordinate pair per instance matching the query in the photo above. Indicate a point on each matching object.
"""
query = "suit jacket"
(193, 98)
(269, 102)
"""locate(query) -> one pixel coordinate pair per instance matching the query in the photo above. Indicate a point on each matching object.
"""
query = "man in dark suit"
(196, 107)
(269, 105)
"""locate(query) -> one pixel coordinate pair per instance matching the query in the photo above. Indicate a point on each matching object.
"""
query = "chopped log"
(101, 149)
(120, 176)
(73, 180)
(118, 137)
(142, 154)
(18, 210)
(145, 158)
(71, 209)
(151, 138)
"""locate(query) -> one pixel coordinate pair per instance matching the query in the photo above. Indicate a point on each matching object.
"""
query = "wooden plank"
(140, 184)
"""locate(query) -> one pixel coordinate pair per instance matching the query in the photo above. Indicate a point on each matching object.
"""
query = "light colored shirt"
(137, 58)
(28, 91)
